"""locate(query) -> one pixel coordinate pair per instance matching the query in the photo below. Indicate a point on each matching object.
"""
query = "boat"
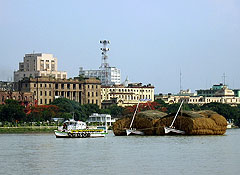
(134, 131)
(79, 129)
(171, 129)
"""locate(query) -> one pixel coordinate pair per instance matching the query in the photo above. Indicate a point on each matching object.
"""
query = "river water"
(27, 154)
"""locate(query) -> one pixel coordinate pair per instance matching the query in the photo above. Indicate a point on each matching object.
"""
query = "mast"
(134, 115)
(180, 81)
(176, 114)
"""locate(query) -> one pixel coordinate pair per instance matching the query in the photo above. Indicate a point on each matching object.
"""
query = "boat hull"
(63, 134)
(134, 132)
(169, 130)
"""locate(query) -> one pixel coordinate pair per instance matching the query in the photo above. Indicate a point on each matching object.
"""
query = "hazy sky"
(151, 40)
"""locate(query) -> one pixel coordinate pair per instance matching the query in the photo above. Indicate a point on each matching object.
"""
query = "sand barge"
(152, 122)
(195, 123)
(144, 121)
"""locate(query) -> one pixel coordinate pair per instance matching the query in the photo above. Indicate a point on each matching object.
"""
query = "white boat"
(79, 129)
(134, 131)
(171, 129)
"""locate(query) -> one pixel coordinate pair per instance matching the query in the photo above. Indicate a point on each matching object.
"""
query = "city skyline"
(151, 41)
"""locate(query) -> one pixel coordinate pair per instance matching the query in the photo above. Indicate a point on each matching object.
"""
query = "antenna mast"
(104, 50)
(180, 81)
(224, 79)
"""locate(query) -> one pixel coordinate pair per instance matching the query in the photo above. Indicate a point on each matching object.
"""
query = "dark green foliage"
(161, 102)
(12, 111)
(115, 111)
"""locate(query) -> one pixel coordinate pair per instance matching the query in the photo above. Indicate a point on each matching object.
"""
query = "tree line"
(64, 108)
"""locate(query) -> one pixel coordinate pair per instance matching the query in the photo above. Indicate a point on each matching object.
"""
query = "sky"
(152, 41)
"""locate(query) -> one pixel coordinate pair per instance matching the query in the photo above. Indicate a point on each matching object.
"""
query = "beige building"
(128, 95)
(223, 95)
(46, 89)
(38, 64)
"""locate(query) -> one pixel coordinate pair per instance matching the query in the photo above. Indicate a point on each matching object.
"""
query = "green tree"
(12, 111)
(116, 111)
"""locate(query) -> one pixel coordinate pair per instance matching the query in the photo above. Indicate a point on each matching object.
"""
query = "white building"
(100, 119)
(108, 75)
(128, 95)
(38, 64)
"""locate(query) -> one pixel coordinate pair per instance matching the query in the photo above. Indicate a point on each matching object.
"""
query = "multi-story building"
(128, 95)
(108, 76)
(212, 91)
(46, 89)
(218, 93)
(25, 98)
(38, 64)
(6, 86)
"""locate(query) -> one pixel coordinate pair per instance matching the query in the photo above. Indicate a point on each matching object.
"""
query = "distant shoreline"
(34, 129)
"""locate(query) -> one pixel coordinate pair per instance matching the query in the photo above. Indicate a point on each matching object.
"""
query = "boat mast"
(176, 114)
(134, 115)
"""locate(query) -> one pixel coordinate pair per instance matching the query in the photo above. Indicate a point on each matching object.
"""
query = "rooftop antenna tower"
(104, 50)
(180, 81)
(224, 79)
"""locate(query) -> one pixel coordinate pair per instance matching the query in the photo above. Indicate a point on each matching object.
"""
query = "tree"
(68, 106)
(114, 111)
(12, 111)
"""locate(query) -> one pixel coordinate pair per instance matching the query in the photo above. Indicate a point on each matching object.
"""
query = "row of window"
(89, 94)
(92, 101)
(128, 90)
(129, 97)
(46, 93)
(25, 98)
(46, 101)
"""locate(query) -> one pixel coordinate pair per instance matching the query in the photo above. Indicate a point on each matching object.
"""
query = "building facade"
(107, 76)
(96, 118)
(128, 95)
(25, 98)
(46, 89)
(38, 64)
(6, 86)
(218, 93)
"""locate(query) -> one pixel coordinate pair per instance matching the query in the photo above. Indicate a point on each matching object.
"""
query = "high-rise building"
(107, 75)
(38, 64)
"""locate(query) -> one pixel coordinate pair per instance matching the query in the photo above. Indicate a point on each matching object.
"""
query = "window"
(40, 101)
(45, 93)
(40, 93)
(45, 101)
(50, 93)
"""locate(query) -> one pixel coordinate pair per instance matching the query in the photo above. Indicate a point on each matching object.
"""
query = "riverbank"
(32, 129)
